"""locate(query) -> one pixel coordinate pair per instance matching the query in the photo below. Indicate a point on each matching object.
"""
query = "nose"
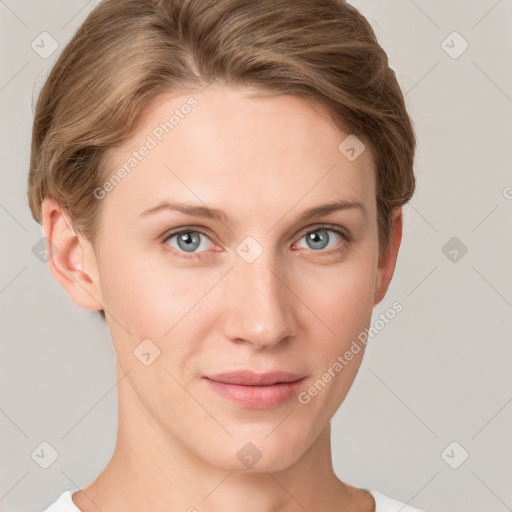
(259, 304)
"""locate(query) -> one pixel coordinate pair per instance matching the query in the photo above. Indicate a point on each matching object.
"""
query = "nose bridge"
(260, 308)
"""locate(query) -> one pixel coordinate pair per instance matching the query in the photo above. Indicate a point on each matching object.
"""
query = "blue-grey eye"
(319, 238)
(188, 241)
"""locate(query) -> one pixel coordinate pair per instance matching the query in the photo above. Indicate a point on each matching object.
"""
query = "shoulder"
(64, 503)
(384, 503)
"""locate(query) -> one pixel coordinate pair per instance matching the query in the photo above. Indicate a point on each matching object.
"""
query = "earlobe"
(387, 262)
(71, 258)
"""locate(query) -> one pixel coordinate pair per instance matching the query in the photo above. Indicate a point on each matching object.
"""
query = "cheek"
(342, 302)
(152, 299)
(340, 295)
(136, 284)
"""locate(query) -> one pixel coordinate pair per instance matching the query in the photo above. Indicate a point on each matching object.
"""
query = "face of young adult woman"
(254, 288)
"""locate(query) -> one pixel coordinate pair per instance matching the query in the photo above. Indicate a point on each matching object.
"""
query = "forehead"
(224, 147)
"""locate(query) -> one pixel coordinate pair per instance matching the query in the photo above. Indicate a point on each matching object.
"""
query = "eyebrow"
(214, 213)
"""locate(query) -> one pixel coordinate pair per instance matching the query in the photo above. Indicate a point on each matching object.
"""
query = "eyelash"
(347, 239)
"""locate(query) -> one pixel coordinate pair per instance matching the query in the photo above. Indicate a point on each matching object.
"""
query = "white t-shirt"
(383, 503)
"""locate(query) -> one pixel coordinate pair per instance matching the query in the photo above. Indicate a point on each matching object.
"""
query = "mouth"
(256, 391)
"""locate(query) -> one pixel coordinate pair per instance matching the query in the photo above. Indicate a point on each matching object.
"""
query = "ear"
(387, 262)
(71, 257)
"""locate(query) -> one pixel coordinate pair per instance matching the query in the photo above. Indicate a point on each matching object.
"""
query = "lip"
(249, 378)
(256, 391)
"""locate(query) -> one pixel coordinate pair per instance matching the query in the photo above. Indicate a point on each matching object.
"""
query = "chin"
(257, 454)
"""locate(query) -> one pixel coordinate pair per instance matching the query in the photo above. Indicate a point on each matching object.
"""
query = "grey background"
(438, 373)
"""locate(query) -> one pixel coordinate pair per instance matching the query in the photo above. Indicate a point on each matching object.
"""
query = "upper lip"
(249, 378)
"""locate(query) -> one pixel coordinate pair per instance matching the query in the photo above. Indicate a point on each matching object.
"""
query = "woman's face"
(258, 286)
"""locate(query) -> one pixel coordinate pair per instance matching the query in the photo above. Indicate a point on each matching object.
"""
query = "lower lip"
(257, 397)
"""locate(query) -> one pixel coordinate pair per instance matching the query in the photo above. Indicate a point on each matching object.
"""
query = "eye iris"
(318, 241)
(190, 239)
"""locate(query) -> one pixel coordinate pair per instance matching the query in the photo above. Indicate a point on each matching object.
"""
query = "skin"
(294, 308)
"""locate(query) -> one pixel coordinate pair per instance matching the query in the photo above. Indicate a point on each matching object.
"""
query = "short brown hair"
(129, 52)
